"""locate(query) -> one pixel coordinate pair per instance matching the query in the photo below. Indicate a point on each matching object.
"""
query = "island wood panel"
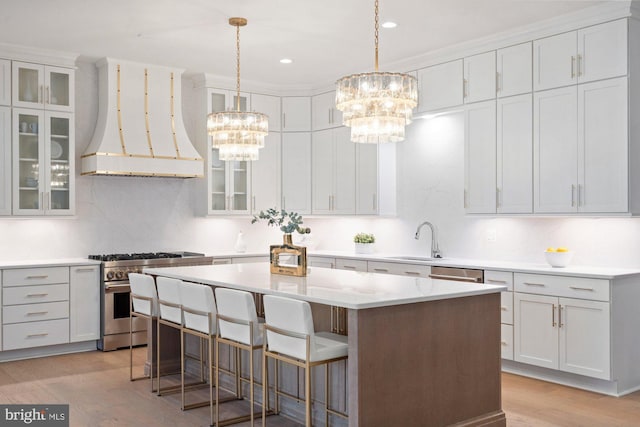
(433, 363)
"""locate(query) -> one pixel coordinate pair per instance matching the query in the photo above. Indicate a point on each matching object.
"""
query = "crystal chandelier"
(238, 135)
(377, 106)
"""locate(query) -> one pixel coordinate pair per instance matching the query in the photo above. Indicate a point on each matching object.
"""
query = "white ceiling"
(326, 38)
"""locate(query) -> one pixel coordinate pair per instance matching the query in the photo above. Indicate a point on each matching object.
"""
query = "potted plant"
(364, 243)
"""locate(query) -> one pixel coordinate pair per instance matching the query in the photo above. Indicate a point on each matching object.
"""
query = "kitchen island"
(421, 351)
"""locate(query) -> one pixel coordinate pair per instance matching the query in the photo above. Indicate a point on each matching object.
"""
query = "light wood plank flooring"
(97, 387)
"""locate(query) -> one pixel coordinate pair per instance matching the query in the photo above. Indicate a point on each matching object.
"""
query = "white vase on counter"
(241, 245)
(364, 248)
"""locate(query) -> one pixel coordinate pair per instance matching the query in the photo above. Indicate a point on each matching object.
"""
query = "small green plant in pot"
(364, 243)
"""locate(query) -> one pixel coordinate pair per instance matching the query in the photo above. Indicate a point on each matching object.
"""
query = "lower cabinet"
(568, 334)
(401, 269)
(324, 262)
(84, 303)
(351, 264)
(504, 278)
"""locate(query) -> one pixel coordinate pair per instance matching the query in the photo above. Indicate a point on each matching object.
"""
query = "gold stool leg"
(307, 393)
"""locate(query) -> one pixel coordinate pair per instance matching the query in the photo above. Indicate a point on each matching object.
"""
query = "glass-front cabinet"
(229, 182)
(43, 87)
(43, 162)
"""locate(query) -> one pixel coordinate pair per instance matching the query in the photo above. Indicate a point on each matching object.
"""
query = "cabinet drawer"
(35, 294)
(502, 278)
(318, 261)
(35, 312)
(562, 286)
(35, 334)
(351, 264)
(506, 342)
(506, 307)
(35, 276)
(402, 269)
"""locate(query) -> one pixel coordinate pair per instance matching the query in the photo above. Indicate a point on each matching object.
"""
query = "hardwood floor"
(97, 387)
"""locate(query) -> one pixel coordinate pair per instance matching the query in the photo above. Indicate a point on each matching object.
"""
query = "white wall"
(117, 214)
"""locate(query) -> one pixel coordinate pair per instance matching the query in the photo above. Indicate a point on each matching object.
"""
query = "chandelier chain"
(238, 67)
(376, 33)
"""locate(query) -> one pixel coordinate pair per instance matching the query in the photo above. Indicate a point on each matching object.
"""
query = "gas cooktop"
(144, 255)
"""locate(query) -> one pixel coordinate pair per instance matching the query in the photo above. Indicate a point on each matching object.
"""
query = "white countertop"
(62, 262)
(341, 288)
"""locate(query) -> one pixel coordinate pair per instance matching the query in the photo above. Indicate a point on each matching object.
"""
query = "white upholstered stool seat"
(143, 304)
(240, 328)
(291, 338)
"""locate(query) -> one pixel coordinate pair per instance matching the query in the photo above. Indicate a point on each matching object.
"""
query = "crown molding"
(37, 55)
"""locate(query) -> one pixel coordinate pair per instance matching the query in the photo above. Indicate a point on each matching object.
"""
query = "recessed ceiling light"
(286, 61)
(389, 24)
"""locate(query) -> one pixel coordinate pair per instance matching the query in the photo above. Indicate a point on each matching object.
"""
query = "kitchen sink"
(413, 258)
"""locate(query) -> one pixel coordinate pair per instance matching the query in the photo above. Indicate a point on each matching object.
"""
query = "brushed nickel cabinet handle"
(85, 270)
(496, 281)
(37, 313)
(579, 288)
(573, 195)
(41, 94)
(533, 284)
(573, 67)
(381, 270)
(504, 308)
(412, 273)
(503, 342)
(553, 315)
(560, 324)
(44, 276)
(579, 65)
(44, 334)
(497, 81)
(284, 120)
(465, 85)
(352, 267)
(37, 295)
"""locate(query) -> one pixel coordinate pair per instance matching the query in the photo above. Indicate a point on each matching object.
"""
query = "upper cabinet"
(480, 157)
(296, 172)
(480, 77)
(334, 175)
(5, 82)
(5, 161)
(269, 105)
(440, 86)
(589, 54)
(265, 175)
(376, 179)
(325, 115)
(513, 67)
(225, 100)
(296, 114)
(42, 86)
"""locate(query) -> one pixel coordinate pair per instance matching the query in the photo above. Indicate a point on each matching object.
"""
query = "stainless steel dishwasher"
(459, 274)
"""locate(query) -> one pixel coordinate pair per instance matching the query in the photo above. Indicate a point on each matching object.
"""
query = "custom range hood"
(140, 130)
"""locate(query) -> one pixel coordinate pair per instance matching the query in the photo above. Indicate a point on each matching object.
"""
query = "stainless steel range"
(114, 304)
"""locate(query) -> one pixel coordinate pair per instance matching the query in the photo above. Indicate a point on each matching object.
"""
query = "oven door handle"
(115, 288)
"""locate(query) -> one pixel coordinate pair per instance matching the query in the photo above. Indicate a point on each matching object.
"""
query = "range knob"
(110, 275)
(120, 274)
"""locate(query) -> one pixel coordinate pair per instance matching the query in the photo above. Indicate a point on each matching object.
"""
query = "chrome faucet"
(435, 250)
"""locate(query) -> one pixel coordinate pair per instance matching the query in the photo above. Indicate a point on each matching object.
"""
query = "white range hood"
(140, 130)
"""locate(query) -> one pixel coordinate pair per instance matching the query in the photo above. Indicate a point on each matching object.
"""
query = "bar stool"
(291, 339)
(199, 316)
(144, 304)
(239, 327)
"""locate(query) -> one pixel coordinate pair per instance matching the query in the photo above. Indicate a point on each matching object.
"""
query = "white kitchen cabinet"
(324, 114)
(480, 157)
(441, 86)
(536, 333)
(323, 262)
(265, 175)
(514, 70)
(504, 278)
(333, 172)
(506, 342)
(401, 269)
(227, 100)
(592, 53)
(42, 86)
(581, 148)
(269, 105)
(296, 114)
(351, 264)
(296, 172)
(515, 154)
(5, 82)
(5, 161)
(84, 303)
(230, 185)
(375, 179)
(43, 162)
(480, 77)
(555, 150)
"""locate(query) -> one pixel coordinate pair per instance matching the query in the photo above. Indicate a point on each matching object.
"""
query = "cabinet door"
(480, 77)
(238, 190)
(222, 100)
(535, 330)
(59, 155)
(59, 89)
(515, 154)
(265, 175)
(296, 114)
(366, 179)
(440, 86)
(5, 82)
(269, 105)
(585, 337)
(480, 157)
(27, 85)
(324, 113)
(344, 185)
(28, 165)
(5, 161)
(296, 172)
(555, 150)
(506, 342)
(84, 303)
(323, 171)
(555, 61)
(217, 193)
(602, 51)
(603, 144)
(514, 70)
